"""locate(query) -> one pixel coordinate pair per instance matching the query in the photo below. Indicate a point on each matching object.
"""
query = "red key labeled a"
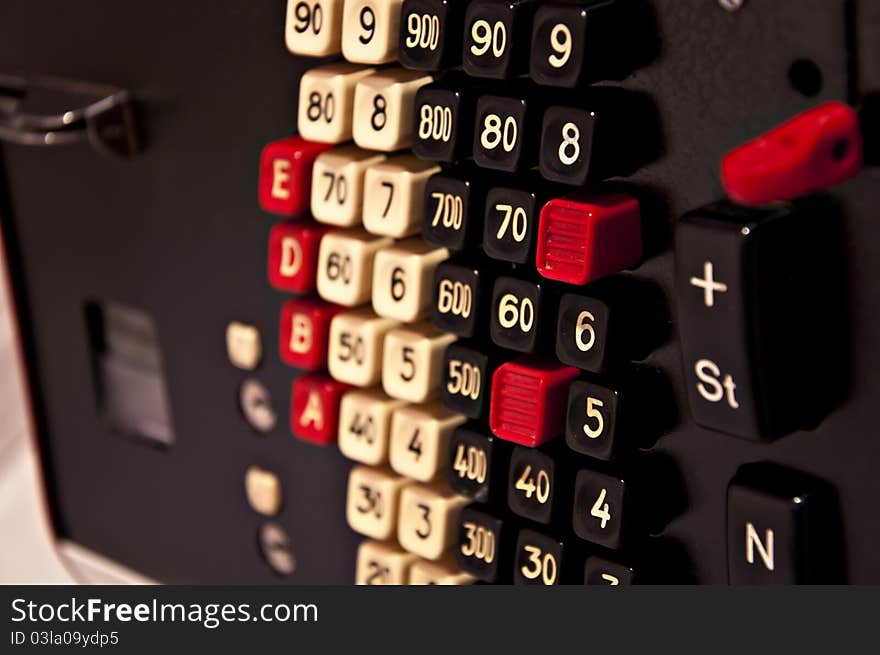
(314, 408)
(304, 332)
(285, 185)
(811, 152)
(529, 396)
(293, 255)
(584, 238)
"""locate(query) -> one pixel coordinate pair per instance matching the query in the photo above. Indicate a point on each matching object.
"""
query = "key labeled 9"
(370, 30)
(557, 52)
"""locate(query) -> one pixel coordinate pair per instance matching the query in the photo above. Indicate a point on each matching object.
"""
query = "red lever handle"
(811, 152)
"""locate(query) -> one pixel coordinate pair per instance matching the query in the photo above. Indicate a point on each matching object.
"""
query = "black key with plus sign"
(781, 528)
(744, 277)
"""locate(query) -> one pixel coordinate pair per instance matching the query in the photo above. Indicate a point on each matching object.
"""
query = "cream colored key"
(428, 523)
(326, 101)
(345, 265)
(443, 572)
(338, 185)
(314, 27)
(370, 30)
(356, 343)
(419, 444)
(412, 361)
(394, 195)
(365, 425)
(403, 279)
(383, 109)
(382, 564)
(263, 490)
(373, 500)
(243, 345)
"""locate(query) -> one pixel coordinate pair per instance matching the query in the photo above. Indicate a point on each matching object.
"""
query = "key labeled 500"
(66, 638)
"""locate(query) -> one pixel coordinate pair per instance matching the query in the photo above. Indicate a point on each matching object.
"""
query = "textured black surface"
(178, 233)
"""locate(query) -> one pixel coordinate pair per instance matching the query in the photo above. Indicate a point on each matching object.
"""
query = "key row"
(557, 44)
(451, 120)
(542, 485)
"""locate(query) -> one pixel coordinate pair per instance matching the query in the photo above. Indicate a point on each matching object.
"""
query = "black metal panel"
(177, 232)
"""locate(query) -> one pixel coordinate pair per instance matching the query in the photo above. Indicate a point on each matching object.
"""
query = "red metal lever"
(811, 152)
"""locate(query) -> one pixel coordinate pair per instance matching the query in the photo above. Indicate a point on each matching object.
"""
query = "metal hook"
(109, 123)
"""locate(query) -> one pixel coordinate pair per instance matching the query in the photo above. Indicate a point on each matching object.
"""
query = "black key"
(453, 207)
(537, 485)
(601, 571)
(743, 279)
(430, 34)
(539, 559)
(459, 299)
(496, 37)
(592, 424)
(443, 121)
(601, 504)
(483, 548)
(621, 319)
(577, 43)
(607, 417)
(612, 133)
(780, 528)
(506, 133)
(478, 465)
(519, 315)
(467, 379)
(509, 224)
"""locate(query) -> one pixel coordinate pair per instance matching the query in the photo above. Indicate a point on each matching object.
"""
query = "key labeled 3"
(428, 519)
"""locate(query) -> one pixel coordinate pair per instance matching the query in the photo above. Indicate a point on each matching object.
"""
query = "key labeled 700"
(65, 638)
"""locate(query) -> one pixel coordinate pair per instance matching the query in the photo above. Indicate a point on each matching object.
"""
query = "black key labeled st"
(743, 278)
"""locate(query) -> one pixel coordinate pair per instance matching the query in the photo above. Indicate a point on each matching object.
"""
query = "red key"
(293, 255)
(581, 239)
(529, 397)
(314, 408)
(811, 152)
(285, 185)
(304, 332)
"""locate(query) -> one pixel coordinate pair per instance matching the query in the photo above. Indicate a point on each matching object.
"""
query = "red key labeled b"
(285, 185)
(304, 331)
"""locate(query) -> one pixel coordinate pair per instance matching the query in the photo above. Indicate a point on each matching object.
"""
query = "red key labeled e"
(293, 255)
(811, 152)
(314, 408)
(304, 331)
(285, 185)
(584, 238)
